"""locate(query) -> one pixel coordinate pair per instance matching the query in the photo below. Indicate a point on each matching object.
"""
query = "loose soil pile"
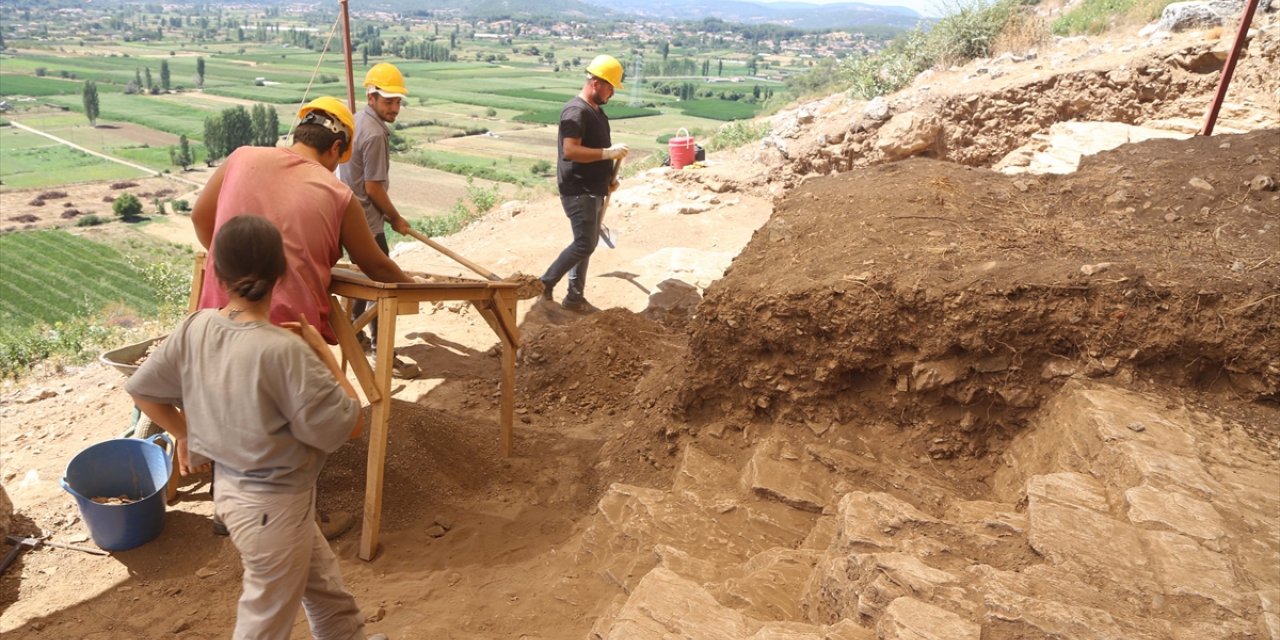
(958, 297)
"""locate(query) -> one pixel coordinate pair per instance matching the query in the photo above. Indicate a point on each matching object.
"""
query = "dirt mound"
(931, 292)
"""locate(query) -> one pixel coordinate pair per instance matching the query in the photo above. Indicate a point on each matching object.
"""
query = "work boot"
(365, 343)
(547, 289)
(578, 306)
(404, 370)
(334, 523)
(219, 528)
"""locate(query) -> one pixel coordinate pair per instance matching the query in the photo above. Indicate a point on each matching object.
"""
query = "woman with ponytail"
(265, 408)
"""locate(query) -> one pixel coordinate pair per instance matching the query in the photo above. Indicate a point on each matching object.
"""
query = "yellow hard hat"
(607, 68)
(324, 111)
(385, 80)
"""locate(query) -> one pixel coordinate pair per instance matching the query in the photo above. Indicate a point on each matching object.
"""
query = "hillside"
(991, 358)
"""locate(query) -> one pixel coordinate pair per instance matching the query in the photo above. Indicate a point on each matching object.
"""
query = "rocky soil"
(830, 396)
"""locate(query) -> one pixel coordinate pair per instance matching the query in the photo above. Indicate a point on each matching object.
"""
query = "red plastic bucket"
(682, 149)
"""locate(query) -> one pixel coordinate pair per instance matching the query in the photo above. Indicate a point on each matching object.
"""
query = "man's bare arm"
(206, 209)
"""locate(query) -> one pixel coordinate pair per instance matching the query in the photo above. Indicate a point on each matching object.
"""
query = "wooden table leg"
(378, 429)
(352, 351)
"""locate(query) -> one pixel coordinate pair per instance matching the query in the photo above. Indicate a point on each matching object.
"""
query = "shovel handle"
(448, 252)
(617, 165)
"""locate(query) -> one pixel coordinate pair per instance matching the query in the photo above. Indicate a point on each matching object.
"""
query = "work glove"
(616, 151)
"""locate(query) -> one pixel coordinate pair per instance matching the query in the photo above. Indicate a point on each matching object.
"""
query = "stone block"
(702, 475)
(804, 486)
(1096, 543)
(1174, 510)
(911, 619)
(772, 583)
(666, 605)
(1068, 490)
(1184, 568)
(872, 521)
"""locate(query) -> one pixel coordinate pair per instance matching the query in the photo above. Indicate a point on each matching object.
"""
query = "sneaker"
(546, 290)
(334, 523)
(404, 370)
(219, 528)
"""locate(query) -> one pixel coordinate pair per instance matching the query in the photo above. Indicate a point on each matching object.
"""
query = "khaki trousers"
(287, 563)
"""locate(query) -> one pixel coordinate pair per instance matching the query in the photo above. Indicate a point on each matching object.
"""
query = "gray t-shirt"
(370, 162)
(259, 403)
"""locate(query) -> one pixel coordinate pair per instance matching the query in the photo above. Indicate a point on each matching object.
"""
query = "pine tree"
(147, 75)
(90, 98)
(164, 75)
(200, 72)
(214, 138)
(273, 127)
(181, 155)
(258, 120)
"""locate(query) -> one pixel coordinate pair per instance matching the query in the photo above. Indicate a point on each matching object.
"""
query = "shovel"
(530, 286)
(609, 238)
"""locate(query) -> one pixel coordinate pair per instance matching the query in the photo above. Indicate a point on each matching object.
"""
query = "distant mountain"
(794, 14)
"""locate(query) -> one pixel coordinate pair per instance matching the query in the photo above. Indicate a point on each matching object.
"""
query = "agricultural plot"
(720, 109)
(147, 111)
(51, 276)
(19, 85)
(30, 161)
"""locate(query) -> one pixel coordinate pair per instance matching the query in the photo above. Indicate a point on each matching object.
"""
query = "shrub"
(736, 134)
(90, 220)
(1091, 16)
(540, 168)
(52, 195)
(127, 206)
(123, 185)
(181, 206)
(70, 213)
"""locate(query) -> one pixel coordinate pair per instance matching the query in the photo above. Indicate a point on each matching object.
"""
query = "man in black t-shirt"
(584, 170)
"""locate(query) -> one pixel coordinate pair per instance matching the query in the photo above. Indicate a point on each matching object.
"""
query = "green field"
(50, 276)
(720, 109)
(147, 111)
(30, 161)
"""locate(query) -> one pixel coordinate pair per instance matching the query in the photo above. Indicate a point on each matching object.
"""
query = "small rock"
(205, 572)
(1020, 186)
(444, 521)
(378, 615)
(436, 531)
(1262, 183)
(181, 626)
(1172, 217)
(1201, 184)
(1237, 266)
(1137, 427)
(1090, 269)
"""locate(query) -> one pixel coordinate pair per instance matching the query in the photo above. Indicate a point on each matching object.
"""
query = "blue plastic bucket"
(124, 467)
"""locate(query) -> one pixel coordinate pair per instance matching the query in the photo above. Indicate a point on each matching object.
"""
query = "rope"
(307, 92)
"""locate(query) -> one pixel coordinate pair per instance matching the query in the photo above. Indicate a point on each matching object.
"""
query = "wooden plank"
(378, 430)
(351, 350)
(197, 282)
(507, 417)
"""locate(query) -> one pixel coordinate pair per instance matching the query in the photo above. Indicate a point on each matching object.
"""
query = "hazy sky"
(931, 8)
